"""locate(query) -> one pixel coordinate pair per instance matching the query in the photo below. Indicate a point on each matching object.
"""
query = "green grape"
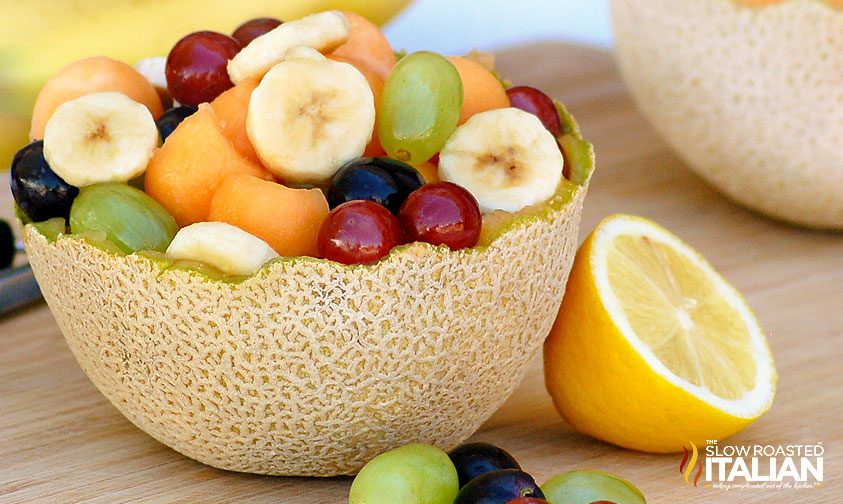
(411, 474)
(585, 487)
(129, 218)
(420, 107)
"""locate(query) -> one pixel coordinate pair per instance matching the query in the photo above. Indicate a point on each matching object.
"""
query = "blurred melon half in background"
(38, 37)
(750, 94)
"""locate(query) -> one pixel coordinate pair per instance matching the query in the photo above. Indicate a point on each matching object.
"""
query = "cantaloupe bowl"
(749, 93)
(310, 367)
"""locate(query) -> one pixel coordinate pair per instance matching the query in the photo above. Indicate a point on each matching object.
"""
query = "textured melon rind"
(749, 98)
(309, 367)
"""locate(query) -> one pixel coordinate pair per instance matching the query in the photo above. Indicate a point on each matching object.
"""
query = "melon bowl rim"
(239, 392)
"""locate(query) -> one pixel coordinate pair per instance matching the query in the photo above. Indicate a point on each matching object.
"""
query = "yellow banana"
(38, 37)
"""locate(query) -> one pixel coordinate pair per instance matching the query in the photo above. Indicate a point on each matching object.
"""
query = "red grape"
(357, 232)
(442, 214)
(530, 99)
(254, 28)
(196, 67)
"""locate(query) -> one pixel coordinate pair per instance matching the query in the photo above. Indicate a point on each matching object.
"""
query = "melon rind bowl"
(751, 97)
(309, 367)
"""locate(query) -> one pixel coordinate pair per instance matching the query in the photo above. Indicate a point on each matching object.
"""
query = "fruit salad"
(308, 137)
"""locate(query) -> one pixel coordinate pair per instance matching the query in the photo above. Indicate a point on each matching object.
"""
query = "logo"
(753, 466)
(688, 469)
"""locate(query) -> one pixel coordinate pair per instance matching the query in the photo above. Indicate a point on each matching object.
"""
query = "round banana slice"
(505, 157)
(309, 116)
(100, 137)
(223, 246)
(154, 69)
(324, 31)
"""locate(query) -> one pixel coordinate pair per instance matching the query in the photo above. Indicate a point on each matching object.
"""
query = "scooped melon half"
(750, 96)
(310, 367)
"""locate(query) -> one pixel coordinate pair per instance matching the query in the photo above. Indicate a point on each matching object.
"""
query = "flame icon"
(688, 469)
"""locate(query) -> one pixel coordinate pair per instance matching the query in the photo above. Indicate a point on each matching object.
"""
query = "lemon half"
(652, 348)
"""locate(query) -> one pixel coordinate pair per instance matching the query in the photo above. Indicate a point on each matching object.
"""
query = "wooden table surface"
(61, 441)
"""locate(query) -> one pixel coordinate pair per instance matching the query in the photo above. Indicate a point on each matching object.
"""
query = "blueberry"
(167, 123)
(385, 181)
(475, 459)
(499, 487)
(7, 245)
(39, 192)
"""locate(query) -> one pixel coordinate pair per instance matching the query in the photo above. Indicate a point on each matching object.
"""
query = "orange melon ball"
(87, 76)
(287, 219)
(374, 149)
(185, 172)
(368, 46)
(231, 109)
(429, 171)
(482, 91)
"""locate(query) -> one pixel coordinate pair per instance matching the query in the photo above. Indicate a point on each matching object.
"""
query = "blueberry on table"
(7, 245)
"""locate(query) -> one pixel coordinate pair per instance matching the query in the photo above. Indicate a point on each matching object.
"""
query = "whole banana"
(38, 37)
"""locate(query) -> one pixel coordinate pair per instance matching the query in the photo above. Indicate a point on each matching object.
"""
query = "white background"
(455, 26)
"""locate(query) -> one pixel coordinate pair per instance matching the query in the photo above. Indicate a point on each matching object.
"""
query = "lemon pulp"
(674, 308)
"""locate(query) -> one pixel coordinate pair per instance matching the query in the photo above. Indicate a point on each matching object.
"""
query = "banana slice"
(223, 246)
(304, 52)
(309, 116)
(505, 157)
(324, 31)
(154, 69)
(100, 137)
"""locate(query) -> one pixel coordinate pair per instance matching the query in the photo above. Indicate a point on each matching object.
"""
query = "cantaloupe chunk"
(367, 46)
(184, 174)
(482, 91)
(231, 109)
(287, 219)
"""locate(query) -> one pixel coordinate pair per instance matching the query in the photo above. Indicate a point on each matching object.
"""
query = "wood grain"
(60, 440)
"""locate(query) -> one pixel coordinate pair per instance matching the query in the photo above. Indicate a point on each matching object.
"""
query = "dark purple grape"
(475, 459)
(39, 192)
(196, 67)
(254, 28)
(358, 232)
(537, 103)
(385, 181)
(499, 487)
(442, 214)
(168, 122)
